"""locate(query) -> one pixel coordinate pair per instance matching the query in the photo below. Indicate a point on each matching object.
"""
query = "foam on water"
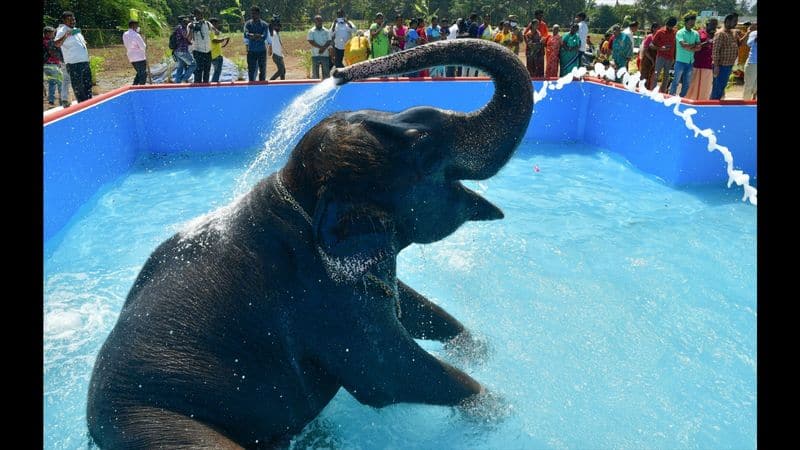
(633, 83)
(614, 311)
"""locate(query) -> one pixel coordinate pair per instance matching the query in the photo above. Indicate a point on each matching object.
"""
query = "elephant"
(238, 331)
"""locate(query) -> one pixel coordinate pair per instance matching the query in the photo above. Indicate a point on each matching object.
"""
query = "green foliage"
(423, 10)
(305, 59)
(241, 64)
(150, 23)
(604, 18)
(96, 66)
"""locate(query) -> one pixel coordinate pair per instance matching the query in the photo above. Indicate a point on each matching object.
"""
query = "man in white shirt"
(201, 45)
(319, 38)
(583, 31)
(341, 30)
(136, 48)
(277, 48)
(76, 56)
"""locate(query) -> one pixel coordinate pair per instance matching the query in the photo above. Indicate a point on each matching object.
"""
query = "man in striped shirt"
(724, 54)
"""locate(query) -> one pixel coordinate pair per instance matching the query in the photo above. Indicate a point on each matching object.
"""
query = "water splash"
(288, 125)
(634, 83)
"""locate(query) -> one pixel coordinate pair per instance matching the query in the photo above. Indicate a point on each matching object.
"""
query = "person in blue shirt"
(256, 33)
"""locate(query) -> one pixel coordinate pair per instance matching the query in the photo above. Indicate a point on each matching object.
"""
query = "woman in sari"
(552, 49)
(621, 49)
(534, 50)
(397, 34)
(569, 55)
(647, 58)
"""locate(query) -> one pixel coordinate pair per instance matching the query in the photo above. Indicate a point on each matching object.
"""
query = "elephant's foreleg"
(379, 363)
(424, 319)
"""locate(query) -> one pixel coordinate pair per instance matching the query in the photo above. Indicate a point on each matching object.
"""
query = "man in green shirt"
(378, 37)
(687, 41)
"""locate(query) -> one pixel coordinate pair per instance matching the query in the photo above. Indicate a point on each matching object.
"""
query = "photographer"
(341, 30)
(201, 40)
(256, 32)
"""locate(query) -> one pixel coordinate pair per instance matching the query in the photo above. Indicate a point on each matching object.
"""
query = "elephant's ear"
(351, 229)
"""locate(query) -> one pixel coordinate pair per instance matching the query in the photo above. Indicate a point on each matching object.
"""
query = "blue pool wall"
(97, 145)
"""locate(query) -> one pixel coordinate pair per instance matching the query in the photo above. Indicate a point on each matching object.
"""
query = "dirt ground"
(117, 71)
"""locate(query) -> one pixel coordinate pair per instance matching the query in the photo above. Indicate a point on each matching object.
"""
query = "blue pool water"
(619, 312)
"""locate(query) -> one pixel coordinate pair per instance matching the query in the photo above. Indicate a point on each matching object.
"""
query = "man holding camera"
(256, 32)
(201, 41)
(342, 30)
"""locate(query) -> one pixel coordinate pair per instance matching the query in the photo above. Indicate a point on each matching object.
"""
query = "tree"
(604, 18)
(649, 11)
(743, 8)
(724, 7)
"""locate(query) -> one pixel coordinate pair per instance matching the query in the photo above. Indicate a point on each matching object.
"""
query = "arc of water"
(633, 83)
(288, 125)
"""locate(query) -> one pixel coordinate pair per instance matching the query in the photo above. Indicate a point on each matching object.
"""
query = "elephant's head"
(365, 172)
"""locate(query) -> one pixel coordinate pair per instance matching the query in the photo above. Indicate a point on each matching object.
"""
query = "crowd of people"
(701, 60)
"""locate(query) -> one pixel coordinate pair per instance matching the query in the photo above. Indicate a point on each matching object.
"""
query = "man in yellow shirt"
(217, 42)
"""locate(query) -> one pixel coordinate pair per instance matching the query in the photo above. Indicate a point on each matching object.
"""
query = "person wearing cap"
(687, 42)
(379, 38)
(76, 56)
(724, 55)
(137, 51)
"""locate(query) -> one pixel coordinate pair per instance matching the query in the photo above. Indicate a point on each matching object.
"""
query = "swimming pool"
(618, 303)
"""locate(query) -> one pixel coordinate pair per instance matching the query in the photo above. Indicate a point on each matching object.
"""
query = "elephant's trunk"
(485, 139)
